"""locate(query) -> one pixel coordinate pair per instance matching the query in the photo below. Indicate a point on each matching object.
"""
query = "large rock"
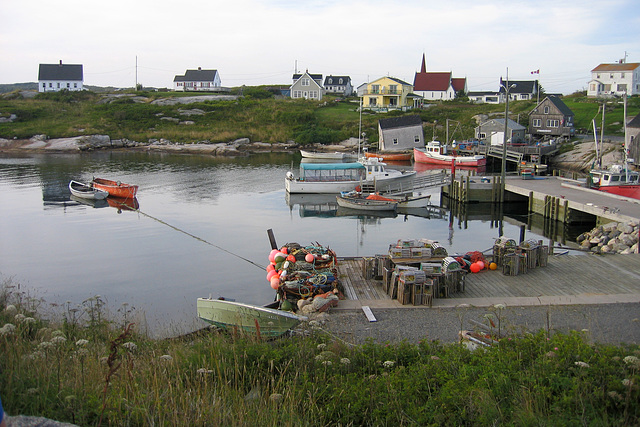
(614, 237)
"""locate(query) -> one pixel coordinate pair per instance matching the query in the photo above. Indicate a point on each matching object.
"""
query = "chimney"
(61, 63)
(199, 68)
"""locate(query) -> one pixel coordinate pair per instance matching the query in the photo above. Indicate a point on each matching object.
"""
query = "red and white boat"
(435, 153)
(115, 188)
(617, 179)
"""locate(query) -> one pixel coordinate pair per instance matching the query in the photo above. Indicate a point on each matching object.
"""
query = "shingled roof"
(198, 75)
(432, 81)
(398, 122)
(60, 72)
(605, 68)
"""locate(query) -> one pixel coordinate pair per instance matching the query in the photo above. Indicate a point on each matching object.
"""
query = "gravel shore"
(601, 323)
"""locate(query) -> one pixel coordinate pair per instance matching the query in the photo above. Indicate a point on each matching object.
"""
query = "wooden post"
(530, 201)
(272, 239)
(522, 233)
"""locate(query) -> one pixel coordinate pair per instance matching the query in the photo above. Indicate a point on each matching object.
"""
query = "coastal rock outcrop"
(613, 237)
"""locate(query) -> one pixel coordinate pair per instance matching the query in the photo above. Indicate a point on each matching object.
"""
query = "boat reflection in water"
(123, 204)
(96, 203)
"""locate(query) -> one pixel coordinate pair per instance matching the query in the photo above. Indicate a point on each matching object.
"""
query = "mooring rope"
(191, 235)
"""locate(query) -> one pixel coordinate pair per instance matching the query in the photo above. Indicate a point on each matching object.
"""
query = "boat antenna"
(360, 129)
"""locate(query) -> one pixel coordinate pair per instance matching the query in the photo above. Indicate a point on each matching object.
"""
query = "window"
(340, 81)
(373, 101)
(546, 109)
(44, 85)
(306, 82)
(395, 141)
(537, 123)
(393, 88)
(50, 84)
(58, 85)
(482, 135)
(313, 94)
(375, 88)
(330, 81)
(68, 85)
(553, 123)
(75, 85)
(416, 138)
(622, 75)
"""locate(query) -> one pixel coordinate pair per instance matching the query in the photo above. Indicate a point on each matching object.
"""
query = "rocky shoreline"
(613, 237)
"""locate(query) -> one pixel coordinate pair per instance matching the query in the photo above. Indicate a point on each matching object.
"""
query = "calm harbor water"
(200, 230)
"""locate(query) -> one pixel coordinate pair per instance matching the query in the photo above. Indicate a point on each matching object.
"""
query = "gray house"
(492, 131)
(633, 140)
(400, 133)
(55, 77)
(307, 86)
(551, 117)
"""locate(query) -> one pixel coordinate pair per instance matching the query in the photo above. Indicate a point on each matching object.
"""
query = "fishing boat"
(436, 153)
(86, 191)
(618, 179)
(326, 156)
(231, 315)
(389, 156)
(115, 188)
(369, 203)
(339, 177)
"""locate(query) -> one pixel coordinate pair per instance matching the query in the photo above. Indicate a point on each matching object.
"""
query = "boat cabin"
(617, 175)
(435, 147)
(329, 172)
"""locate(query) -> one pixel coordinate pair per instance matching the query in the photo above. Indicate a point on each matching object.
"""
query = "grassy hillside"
(257, 116)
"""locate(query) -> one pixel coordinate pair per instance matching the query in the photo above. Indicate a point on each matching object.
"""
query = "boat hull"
(397, 157)
(422, 156)
(412, 202)
(231, 315)
(85, 191)
(326, 156)
(116, 188)
(364, 204)
(631, 190)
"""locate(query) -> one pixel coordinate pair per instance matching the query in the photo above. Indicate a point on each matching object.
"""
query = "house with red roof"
(437, 86)
(615, 80)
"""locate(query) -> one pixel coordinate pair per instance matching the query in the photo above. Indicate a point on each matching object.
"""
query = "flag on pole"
(536, 72)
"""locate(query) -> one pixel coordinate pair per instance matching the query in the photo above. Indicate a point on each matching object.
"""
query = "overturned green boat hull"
(253, 319)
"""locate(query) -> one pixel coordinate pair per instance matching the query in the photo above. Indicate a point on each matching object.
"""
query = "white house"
(338, 84)
(614, 79)
(198, 80)
(55, 77)
(307, 86)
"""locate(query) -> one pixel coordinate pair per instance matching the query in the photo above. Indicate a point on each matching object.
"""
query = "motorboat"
(436, 153)
(326, 155)
(369, 203)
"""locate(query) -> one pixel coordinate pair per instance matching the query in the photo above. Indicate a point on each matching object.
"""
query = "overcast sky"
(254, 42)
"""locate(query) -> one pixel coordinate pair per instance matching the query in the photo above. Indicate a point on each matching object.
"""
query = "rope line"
(193, 236)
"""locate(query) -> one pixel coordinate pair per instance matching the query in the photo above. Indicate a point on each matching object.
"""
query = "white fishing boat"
(336, 155)
(86, 191)
(230, 315)
(366, 204)
(340, 177)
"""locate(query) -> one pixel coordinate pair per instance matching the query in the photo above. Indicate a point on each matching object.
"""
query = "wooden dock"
(567, 279)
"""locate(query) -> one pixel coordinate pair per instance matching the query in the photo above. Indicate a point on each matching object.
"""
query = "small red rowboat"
(115, 188)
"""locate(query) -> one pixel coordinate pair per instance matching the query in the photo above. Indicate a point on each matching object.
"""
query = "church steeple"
(424, 65)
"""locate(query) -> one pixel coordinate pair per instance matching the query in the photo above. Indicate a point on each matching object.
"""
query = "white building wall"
(57, 85)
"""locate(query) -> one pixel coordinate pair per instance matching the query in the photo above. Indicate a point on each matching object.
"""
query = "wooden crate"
(404, 291)
(368, 267)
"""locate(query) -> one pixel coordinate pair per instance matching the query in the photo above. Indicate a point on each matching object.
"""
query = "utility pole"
(503, 175)
(136, 87)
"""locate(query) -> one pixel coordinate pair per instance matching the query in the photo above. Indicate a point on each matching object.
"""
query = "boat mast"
(360, 129)
(626, 148)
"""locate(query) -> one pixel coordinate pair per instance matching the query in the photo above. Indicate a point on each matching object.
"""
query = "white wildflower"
(19, 317)
(45, 345)
(581, 364)
(319, 358)
(203, 371)
(500, 306)
(166, 357)
(82, 352)
(10, 310)
(314, 323)
(131, 346)
(29, 321)
(632, 361)
(59, 339)
(327, 362)
(32, 391)
(627, 382)
(37, 355)
(57, 333)
(389, 364)
(435, 358)
(322, 346)
(345, 361)
(276, 397)
(7, 329)
(584, 330)
(82, 342)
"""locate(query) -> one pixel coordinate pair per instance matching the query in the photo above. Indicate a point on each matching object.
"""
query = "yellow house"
(388, 93)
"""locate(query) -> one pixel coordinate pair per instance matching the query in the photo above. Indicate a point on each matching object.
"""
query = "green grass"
(258, 117)
(80, 366)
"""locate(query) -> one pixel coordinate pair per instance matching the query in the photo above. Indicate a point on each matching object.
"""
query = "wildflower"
(585, 330)
(29, 321)
(276, 397)
(37, 355)
(7, 329)
(11, 310)
(322, 346)
(57, 333)
(435, 358)
(463, 305)
(19, 317)
(550, 354)
(327, 362)
(633, 361)
(372, 377)
(389, 364)
(82, 342)
(166, 357)
(32, 391)
(500, 306)
(614, 395)
(70, 399)
(627, 382)
(581, 364)
(45, 345)
(59, 339)
(345, 361)
(314, 324)
(555, 348)
(131, 346)
(203, 371)
(82, 352)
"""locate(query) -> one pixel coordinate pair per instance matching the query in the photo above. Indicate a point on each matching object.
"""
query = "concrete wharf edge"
(566, 280)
